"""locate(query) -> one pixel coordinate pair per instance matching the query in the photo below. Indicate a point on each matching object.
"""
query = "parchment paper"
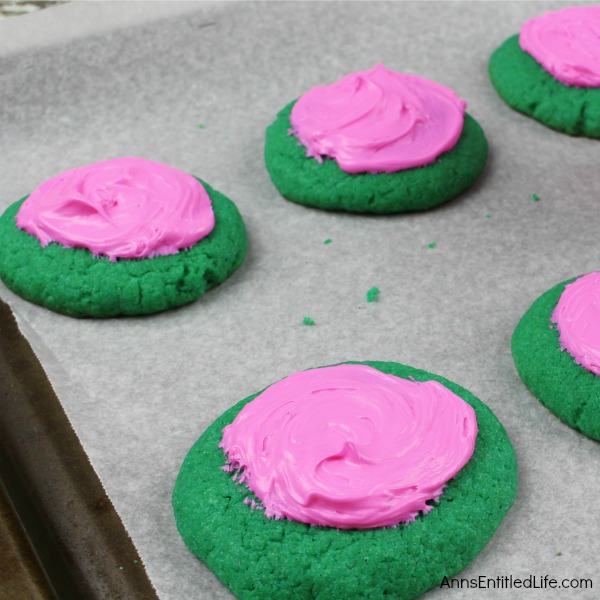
(140, 391)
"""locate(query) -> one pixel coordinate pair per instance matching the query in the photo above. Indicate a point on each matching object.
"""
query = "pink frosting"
(577, 316)
(567, 44)
(121, 208)
(379, 121)
(349, 446)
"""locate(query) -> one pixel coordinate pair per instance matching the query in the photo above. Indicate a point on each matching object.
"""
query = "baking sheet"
(44, 469)
(196, 89)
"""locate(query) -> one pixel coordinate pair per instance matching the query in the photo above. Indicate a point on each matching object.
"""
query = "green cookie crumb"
(535, 197)
(432, 245)
(559, 554)
(308, 321)
(372, 294)
(135, 562)
(328, 241)
(201, 126)
(488, 216)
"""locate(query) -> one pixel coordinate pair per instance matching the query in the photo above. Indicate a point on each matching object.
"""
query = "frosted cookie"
(556, 349)
(125, 236)
(330, 482)
(376, 141)
(551, 70)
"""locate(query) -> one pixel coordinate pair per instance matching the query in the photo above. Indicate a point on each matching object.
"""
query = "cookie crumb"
(135, 562)
(372, 294)
(488, 216)
(559, 554)
(535, 197)
(120, 568)
(308, 321)
(432, 245)
(201, 126)
(328, 241)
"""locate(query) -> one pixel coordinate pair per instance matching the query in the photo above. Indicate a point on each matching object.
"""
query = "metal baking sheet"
(196, 88)
(60, 536)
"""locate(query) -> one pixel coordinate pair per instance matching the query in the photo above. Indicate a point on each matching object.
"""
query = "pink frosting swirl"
(349, 446)
(121, 208)
(566, 43)
(577, 316)
(378, 121)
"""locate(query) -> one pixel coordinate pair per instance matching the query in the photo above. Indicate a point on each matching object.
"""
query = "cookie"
(134, 267)
(402, 144)
(556, 377)
(552, 82)
(221, 520)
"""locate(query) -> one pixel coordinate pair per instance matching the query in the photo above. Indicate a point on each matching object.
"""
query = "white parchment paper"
(196, 88)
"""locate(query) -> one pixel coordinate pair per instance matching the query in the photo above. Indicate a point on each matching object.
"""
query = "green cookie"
(75, 282)
(569, 390)
(258, 557)
(525, 86)
(324, 185)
